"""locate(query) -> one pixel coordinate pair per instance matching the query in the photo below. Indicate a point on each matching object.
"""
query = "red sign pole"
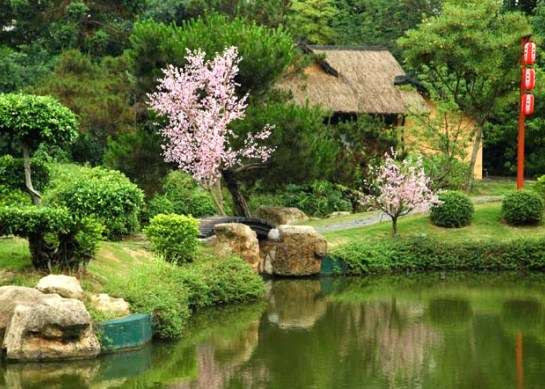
(521, 123)
(522, 118)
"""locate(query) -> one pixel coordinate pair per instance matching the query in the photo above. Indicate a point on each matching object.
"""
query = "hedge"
(428, 254)
(56, 238)
(174, 237)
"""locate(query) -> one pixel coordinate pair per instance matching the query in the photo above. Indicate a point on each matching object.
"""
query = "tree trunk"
(474, 153)
(239, 201)
(217, 195)
(394, 227)
(34, 194)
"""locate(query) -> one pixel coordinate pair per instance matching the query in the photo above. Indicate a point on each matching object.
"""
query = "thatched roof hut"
(353, 80)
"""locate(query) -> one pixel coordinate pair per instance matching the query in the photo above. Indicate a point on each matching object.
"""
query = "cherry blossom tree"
(402, 187)
(199, 102)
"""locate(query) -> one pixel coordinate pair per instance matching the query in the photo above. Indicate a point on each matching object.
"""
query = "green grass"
(486, 225)
(499, 186)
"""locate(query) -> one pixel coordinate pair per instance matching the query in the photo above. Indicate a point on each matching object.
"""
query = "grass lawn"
(497, 186)
(487, 225)
(113, 260)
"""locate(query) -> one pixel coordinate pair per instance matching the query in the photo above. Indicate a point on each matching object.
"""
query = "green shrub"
(523, 208)
(317, 199)
(181, 195)
(171, 292)
(12, 173)
(174, 237)
(445, 173)
(15, 197)
(56, 238)
(156, 288)
(539, 186)
(426, 254)
(456, 210)
(106, 195)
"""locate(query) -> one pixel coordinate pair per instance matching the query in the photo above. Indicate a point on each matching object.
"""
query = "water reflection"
(467, 331)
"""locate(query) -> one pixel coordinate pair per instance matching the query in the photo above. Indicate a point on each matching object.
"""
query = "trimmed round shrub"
(174, 237)
(456, 210)
(523, 208)
(107, 195)
(56, 238)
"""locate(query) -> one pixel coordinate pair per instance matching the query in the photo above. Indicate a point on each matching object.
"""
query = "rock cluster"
(297, 251)
(50, 322)
(279, 215)
(288, 251)
(239, 239)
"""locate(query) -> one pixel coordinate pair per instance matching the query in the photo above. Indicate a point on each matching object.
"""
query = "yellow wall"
(412, 143)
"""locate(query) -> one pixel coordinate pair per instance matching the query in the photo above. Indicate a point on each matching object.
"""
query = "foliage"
(199, 102)
(466, 55)
(523, 208)
(539, 186)
(454, 210)
(174, 237)
(32, 120)
(170, 292)
(20, 68)
(265, 53)
(428, 254)
(156, 288)
(183, 196)
(361, 143)
(56, 238)
(445, 172)
(12, 174)
(138, 155)
(98, 92)
(14, 197)
(401, 188)
(305, 149)
(310, 20)
(379, 22)
(106, 195)
(319, 198)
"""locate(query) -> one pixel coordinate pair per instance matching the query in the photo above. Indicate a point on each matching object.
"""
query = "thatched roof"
(353, 80)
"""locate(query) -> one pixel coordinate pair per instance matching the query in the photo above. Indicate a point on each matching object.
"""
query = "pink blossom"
(199, 103)
(402, 188)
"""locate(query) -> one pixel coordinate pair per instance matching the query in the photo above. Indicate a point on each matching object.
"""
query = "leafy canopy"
(31, 120)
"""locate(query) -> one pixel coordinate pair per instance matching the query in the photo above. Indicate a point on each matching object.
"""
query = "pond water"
(427, 331)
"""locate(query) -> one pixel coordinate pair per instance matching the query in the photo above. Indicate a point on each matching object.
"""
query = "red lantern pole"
(522, 119)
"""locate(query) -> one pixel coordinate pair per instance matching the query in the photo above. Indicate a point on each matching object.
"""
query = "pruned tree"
(199, 102)
(29, 121)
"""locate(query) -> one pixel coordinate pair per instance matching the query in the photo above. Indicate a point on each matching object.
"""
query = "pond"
(410, 331)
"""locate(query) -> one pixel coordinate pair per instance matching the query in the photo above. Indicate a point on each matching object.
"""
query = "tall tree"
(469, 54)
(310, 20)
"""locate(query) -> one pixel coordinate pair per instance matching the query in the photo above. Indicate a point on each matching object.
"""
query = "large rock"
(239, 239)
(65, 286)
(109, 306)
(40, 327)
(279, 216)
(298, 251)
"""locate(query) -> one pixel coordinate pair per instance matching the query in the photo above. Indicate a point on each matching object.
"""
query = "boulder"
(65, 286)
(110, 306)
(238, 239)
(278, 215)
(298, 252)
(41, 327)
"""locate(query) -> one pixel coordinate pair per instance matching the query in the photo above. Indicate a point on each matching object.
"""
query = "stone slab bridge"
(259, 226)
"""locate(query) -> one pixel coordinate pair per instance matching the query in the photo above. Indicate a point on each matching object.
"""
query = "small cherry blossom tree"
(199, 102)
(402, 187)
